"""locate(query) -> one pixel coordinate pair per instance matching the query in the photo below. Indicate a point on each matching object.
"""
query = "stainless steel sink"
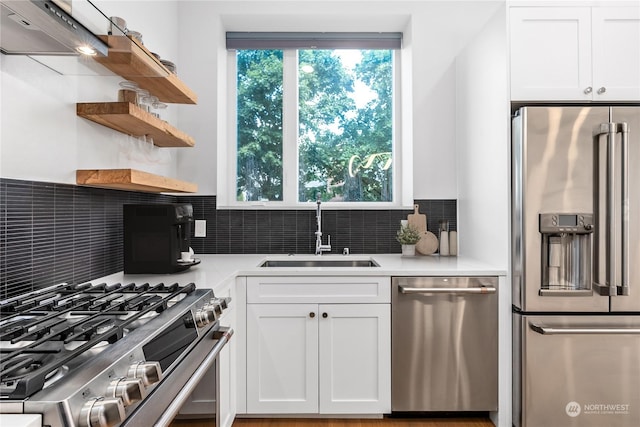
(320, 263)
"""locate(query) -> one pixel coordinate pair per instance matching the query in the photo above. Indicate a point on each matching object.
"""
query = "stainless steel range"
(107, 355)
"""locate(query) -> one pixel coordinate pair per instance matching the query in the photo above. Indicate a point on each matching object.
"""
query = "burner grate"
(42, 322)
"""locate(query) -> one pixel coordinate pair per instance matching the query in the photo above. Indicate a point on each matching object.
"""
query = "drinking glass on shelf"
(144, 99)
(127, 84)
(129, 92)
(157, 105)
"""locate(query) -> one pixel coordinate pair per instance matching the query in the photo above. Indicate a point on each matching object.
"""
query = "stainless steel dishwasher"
(444, 344)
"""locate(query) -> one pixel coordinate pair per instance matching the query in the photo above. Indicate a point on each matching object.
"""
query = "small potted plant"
(408, 236)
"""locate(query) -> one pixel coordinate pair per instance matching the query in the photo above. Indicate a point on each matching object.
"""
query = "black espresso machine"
(154, 236)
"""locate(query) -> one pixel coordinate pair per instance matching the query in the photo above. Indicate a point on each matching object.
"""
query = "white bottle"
(453, 243)
(444, 243)
(444, 238)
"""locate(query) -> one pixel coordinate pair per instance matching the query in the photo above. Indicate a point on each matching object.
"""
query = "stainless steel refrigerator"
(576, 266)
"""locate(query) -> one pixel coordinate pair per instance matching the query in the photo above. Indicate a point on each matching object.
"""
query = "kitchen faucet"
(319, 246)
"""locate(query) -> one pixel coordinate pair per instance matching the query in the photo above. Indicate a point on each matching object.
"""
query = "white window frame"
(227, 144)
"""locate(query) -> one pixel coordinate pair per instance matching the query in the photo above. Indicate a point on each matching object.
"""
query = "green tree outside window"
(345, 125)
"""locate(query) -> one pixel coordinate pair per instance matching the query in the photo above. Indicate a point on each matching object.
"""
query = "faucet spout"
(320, 247)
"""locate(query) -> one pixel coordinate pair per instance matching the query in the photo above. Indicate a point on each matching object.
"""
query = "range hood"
(44, 27)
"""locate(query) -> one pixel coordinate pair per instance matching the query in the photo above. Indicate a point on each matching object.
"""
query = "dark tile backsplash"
(53, 233)
(292, 231)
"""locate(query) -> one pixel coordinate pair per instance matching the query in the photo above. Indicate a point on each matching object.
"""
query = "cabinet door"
(355, 358)
(550, 53)
(282, 358)
(616, 53)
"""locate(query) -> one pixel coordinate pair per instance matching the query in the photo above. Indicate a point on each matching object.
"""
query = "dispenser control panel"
(566, 223)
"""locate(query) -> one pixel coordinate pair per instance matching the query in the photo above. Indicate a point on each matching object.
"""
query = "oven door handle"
(461, 291)
(546, 330)
(223, 335)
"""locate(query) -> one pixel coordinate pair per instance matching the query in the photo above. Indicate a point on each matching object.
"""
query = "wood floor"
(384, 422)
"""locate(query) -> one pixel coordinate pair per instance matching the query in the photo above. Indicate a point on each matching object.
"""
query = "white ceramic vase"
(408, 250)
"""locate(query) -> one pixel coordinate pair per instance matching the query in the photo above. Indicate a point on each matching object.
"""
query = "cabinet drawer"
(318, 289)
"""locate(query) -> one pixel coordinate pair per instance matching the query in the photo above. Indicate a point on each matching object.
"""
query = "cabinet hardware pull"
(325, 315)
(588, 90)
(312, 315)
(602, 90)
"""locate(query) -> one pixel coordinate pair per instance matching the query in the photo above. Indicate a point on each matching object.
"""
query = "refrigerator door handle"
(623, 128)
(611, 129)
(547, 330)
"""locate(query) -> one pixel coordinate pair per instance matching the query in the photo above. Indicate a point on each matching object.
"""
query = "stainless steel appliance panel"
(576, 371)
(107, 354)
(576, 266)
(552, 173)
(444, 344)
(171, 395)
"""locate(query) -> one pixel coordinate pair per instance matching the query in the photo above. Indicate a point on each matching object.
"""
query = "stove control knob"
(101, 412)
(221, 301)
(215, 308)
(216, 305)
(130, 390)
(149, 372)
(204, 316)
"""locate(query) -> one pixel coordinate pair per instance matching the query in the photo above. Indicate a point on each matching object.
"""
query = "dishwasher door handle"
(545, 330)
(457, 291)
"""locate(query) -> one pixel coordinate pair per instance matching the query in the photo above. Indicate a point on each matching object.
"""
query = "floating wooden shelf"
(133, 120)
(133, 180)
(134, 62)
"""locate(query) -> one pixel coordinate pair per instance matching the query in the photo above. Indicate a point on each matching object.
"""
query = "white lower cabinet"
(329, 358)
(282, 358)
(355, 358)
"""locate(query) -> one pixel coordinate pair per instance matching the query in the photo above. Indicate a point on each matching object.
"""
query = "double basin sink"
(319, 262)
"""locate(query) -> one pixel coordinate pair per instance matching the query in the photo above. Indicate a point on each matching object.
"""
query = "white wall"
(42, 138)
(439, 30)
(483, 156)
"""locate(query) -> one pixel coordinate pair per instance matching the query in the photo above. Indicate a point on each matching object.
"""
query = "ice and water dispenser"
(566, 252)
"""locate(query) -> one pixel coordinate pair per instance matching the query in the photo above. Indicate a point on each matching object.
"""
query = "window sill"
(312, 205)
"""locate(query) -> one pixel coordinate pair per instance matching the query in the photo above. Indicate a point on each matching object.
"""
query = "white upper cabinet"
(575, 53)
(615, 38)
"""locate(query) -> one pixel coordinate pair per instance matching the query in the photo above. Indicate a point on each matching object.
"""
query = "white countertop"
(216, 271)
(20, 420)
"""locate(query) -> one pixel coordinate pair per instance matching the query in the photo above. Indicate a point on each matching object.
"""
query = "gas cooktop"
(45, 334)
(77, 352)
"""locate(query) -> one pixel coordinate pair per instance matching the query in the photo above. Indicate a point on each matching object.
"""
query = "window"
(311, 123)
(259, 117)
